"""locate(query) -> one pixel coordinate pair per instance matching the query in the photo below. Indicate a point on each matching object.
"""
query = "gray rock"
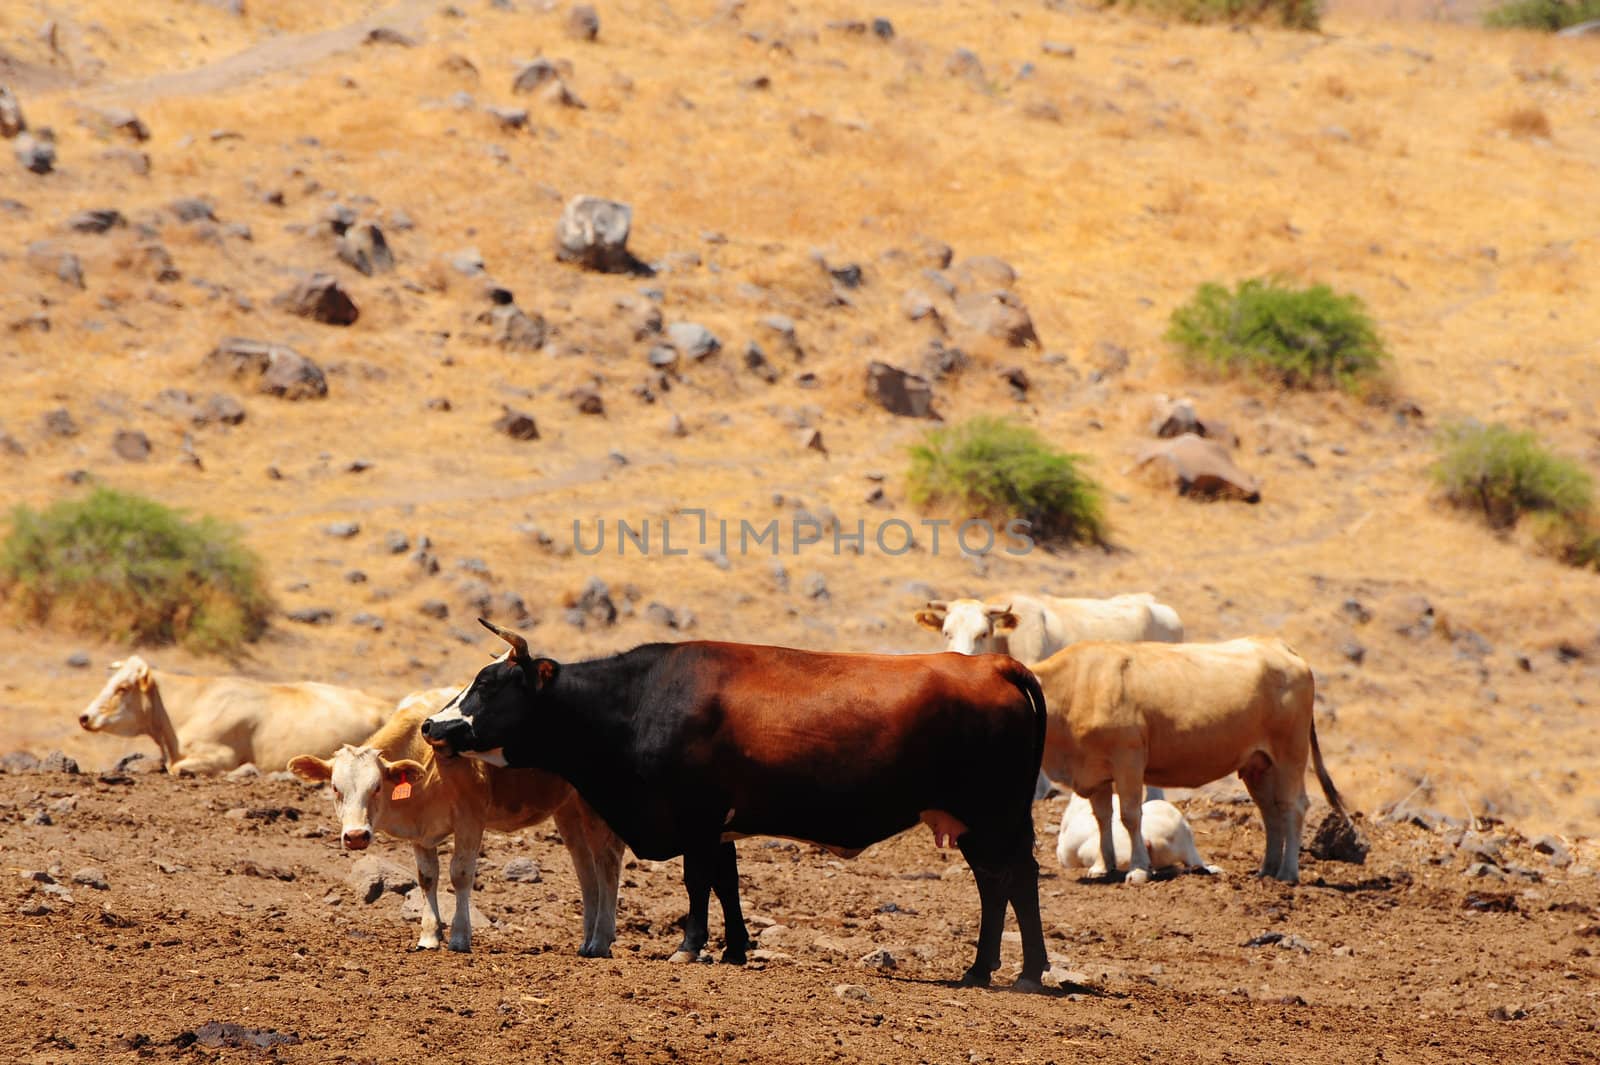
(515, 330)
(36, 154)
(815, 587)
(388, 35)
(517, 425)
(999, 314)
(559, 94)
(92, 876)
(281, 371)
(192, 209)
(522, 871)
(1352, 609)
(78, 660)
(56, 762)
(594, 602)
(434, 608)
(321, 298)
(899, 392)
(51, 258)
(883, 29)
(59, 422)
(396, 543)
(131, 444)
(1555, 849)
(96, 220)
(878, 958)
(1481, 847)
(964, 63)
(587, 400)
(593, 233)
(157, 262)
(693, 341)
(1353, 651)
(983, 272)
(371, 876)
(311, 615)
(508, 117)
(19, 762)
(12, 121)
(342, 529)
(811, 440)
(852, 993)
(540, 72)
(365, 249)
(583, 23)
(1056, 48)
(467, 261)
(121, 120)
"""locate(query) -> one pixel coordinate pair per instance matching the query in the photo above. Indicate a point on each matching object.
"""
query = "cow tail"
(1323, 778)
(1028, 684)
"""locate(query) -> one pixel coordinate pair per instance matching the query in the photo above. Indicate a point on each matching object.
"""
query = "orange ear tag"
(401, 790)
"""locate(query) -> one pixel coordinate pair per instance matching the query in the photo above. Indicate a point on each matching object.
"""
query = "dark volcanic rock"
(320, 297)
(517, 425)
(280, 370)
(899, 392)
(364, 249)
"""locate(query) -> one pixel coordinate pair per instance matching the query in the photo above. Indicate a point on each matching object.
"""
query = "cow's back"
(286, 720)
(841, 749)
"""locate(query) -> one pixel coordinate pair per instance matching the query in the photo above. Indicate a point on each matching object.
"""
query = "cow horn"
(998, 611)
(938, 604)
(519, 646)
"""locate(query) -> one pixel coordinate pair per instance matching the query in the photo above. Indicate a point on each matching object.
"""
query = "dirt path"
(290, 52)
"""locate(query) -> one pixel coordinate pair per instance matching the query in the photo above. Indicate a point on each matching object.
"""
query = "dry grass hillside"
(757, 143)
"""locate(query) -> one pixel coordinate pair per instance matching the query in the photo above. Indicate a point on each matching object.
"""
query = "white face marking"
(968, 629)
(451, 711)
(119, 708)
(494, 757)
(356, 778)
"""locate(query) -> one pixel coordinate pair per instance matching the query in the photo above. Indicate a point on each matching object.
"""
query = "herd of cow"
(680, 749)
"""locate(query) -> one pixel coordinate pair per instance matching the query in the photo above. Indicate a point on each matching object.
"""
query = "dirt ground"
(228, 904)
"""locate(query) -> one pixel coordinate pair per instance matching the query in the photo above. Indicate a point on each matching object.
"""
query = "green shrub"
(1290, 14)
(1550, 15)
(1001, 470)
(1507, 475)
(1305, 338)
(126, 568)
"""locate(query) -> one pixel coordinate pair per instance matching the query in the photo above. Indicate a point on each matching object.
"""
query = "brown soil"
(1386, 962)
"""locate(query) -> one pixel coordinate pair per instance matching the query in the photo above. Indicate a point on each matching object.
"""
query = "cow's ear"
(404, 769)
(311, 768)
(930, 619)
(544, 672)
(1006, 622)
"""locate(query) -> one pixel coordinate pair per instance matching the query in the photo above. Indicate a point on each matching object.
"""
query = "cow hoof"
(587, 951)
(733, 957)
(1138, 876)
(1028, 986)
(427, 946)
(977, 976)
(1211, 870)
(684, 957)
(461, 946)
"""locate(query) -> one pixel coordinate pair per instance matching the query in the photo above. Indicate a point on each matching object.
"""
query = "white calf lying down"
(396, 784)
(1166, 834)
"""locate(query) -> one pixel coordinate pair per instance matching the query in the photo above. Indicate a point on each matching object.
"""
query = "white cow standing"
(1166, 834)
(1031, 628)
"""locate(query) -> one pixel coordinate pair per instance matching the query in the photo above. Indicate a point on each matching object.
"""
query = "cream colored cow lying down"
(214, 724)
(1166, 835)
(396, 784)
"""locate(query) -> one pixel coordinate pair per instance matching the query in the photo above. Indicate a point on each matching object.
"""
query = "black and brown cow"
(683, 748)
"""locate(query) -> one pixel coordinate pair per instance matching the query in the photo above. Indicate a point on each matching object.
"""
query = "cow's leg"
(606, 850)
(1022, 879)
(463, 868)
(204, 759)
(726, 883)
(428, 879)
(1292, 803)
(1261, 781)
(1130, 795)
(699, 872)
(1100, 802)
(574, 830)
(992, 891)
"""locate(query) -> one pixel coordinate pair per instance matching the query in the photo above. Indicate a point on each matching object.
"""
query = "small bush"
(1506, 475)
(1549, 15)
(1290, 14)
(129, 569)
(1305, 338)
(1001, 470)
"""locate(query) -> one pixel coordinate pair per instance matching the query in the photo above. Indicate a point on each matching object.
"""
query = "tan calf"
(1031, 628)
(396, 784)
(1181, 715)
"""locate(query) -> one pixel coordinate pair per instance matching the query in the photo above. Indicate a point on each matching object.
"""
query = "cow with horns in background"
(684, 748)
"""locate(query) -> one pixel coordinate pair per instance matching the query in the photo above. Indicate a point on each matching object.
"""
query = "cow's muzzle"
(447, 737)
(357, 839)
